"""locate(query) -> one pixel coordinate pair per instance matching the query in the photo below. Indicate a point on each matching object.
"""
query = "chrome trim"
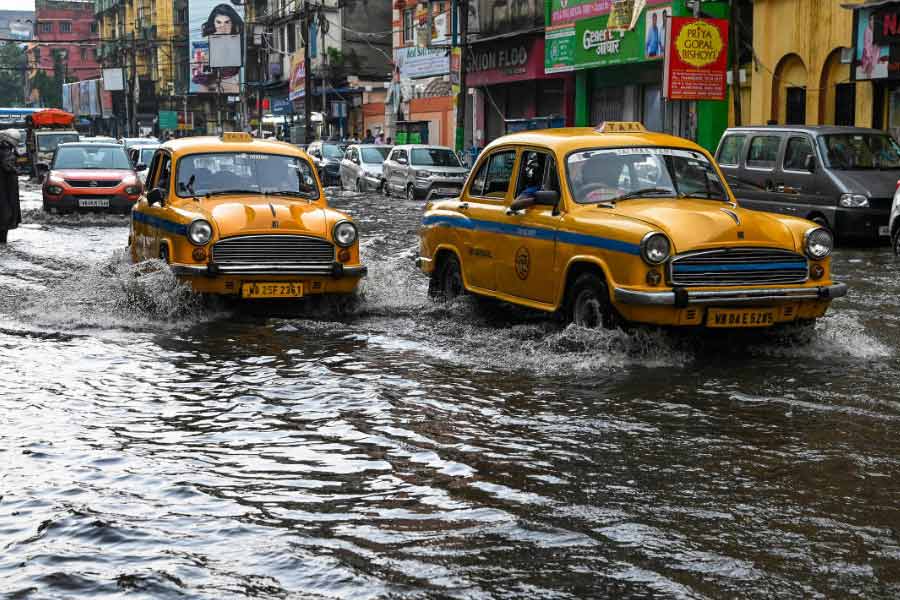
(732, 214)
(422, 262)
(835, 290)
(806, 235)
(335, 270)
(644, 243)
(737, 255)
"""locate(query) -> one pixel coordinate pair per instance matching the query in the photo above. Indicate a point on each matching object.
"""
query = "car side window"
(494, 175)
(164, 172)
(730, 153)
(763, 151)
(532, 169)
(401, 155)
(151, 172)
(795, 154)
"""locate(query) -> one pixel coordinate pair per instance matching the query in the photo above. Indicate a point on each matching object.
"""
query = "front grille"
(281, 251)
(738, 266)
(100, 183)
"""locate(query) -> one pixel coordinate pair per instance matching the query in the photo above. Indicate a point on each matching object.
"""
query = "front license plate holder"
(448, 191)
(884, 231)
(272, 289)
(93, 203)
(740, 317)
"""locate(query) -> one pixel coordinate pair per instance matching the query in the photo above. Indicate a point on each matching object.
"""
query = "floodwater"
(152, 446)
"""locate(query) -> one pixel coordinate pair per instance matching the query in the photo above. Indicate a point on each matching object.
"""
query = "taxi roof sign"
(236, 136)
(621, 127)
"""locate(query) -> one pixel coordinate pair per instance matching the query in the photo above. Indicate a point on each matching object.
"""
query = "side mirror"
(546, 197)
(140, 167)
(402, 161)
(156, 196)
(810, 163)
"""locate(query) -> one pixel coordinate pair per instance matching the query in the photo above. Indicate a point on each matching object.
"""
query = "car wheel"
(410, 193)
(359, 186)
(447, 281)
(164, 253)
(386, 189)
(590, 305)
(895, 242)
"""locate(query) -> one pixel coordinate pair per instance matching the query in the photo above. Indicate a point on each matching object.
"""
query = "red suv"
(90, 177)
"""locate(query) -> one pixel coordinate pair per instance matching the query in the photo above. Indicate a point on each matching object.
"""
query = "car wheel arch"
(165, 250)
(577, 266)
(441, 252)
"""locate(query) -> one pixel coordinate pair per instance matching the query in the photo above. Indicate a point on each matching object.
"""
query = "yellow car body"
(262, 244)
(727, 266)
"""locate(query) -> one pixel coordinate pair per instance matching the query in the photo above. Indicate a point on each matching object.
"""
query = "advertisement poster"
(297, 85)
(422, 62)
(211, 17)
(872, 53)
(697, 59)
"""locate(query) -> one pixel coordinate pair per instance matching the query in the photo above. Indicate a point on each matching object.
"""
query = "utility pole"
(132, 127)
(736, 61)
(463, 7)
(323, 28)
(307, 77)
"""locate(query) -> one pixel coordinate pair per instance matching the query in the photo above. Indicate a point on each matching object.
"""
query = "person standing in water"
(10, 211)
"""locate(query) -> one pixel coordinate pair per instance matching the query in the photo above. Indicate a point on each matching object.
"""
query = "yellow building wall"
(797, 42)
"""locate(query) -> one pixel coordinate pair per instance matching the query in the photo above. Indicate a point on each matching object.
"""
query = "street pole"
(735, 62)
(324, 29)
(132, 123)
(463, 7)
(307, 78)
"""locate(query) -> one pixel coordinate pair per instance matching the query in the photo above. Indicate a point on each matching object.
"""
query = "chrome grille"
(100, 183)
(738, 266)
(273, 251)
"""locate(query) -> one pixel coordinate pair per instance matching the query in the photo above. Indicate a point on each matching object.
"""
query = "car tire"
(410, 193)
(895, 242)
(446, 282)
(360, 189)
(164, 253)
(589, 304)
(386, 189)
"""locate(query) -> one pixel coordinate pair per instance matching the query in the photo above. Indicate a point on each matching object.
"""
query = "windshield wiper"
(221, 192)
(654, 191)
(294, 193)
(707, 195)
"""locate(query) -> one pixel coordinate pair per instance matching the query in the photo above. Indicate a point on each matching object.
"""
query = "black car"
(328, 156)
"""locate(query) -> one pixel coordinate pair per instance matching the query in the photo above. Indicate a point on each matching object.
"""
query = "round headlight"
(818, 243)
(200, 232)
(655, 248)
(344, 233)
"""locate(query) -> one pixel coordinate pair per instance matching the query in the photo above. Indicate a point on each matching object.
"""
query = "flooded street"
(153, 445)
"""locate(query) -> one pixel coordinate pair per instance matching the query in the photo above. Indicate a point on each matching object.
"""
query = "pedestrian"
(379, 139)
(369, 139)
(388, 142)
(10, 211)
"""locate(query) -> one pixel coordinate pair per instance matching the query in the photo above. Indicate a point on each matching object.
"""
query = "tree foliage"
(12, 74)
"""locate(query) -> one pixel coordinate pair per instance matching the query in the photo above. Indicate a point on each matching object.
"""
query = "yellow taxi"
(234, 215)
(615, 225)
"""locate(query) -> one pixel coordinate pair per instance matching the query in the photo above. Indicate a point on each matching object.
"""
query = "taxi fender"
(445, 247)
(167, 244)
(576, 261)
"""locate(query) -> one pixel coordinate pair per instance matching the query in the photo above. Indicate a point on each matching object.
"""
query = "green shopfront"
(619, 74)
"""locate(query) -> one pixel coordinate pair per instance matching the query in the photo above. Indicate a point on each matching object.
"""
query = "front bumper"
(69, 203)
(210, 279)
(680, 297)
(335, 270)
(438, 188)
(860, 223)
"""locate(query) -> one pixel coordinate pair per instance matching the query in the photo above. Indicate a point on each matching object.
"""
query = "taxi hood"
(266, 214)
(695, 224)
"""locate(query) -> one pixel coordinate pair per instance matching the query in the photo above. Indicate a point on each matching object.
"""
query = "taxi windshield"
(244, 172)
(852, 151)
(608, 175)
(91, 157)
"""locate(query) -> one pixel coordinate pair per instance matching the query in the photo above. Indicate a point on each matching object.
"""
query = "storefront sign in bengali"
(504, 62)
(422, 62)
(561, 12)
(588, 43)
(697, 59)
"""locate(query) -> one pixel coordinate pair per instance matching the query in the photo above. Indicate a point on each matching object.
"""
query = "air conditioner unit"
(846, 56)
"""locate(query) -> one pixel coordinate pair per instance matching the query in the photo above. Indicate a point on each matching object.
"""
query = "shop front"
(511, 90)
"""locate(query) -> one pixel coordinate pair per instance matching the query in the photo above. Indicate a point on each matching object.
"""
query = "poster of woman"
(871, 59)
(213, 17)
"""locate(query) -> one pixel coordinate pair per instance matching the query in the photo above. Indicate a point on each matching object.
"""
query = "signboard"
(504, 61)
(168, 119)
(281, 106)
(696, 60)
(185, 120)
(589, 43)
(874, 37)
(113, 79)
(207, 18)
(297, 85)
(82, 98)
(422, 62)
(570, 11)
(225, 51)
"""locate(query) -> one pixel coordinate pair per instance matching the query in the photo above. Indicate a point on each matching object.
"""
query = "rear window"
(730, 154)
(763, 151)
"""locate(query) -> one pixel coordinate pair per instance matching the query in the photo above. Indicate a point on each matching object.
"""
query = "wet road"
(154, 447)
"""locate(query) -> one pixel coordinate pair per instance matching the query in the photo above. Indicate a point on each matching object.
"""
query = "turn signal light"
(199, 254)
(344, 255)
(817, 271)
(653, 278)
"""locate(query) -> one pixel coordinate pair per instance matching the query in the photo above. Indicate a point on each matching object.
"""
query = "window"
(492, 180)
(181, 16)
(95, 27)
(763, 151)
(46, 27)
(291, 37)
(730, 154)
(83, 50)
(531, 172)
(251, 172)
(798, 148)
(65, 27)
(409, 31)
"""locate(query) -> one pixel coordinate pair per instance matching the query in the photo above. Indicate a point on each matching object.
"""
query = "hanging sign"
(696, 59)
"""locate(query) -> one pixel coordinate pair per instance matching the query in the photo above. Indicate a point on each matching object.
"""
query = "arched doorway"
(837, 93)
(789, 91)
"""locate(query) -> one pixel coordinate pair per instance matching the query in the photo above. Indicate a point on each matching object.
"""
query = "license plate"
(451, 191)
(884, 230)
(740, 317)
(93, 202)
(271, 290)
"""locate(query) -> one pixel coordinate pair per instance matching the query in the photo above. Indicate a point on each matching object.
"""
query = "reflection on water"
(160, 446)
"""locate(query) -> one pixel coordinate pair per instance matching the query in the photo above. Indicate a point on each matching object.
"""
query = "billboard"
(297, 85)
(213, 17)
(422, 62)
(696, 59)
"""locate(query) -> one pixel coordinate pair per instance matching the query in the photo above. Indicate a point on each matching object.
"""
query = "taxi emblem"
(523, 263)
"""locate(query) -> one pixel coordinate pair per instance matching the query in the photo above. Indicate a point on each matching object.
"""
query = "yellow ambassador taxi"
(241, 216)
(617, 224)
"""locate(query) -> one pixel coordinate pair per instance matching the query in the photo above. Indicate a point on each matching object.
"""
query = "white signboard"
(113, 80)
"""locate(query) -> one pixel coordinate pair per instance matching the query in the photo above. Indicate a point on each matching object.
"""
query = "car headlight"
(423, 174)
(200, 232)
(344, 233)
(854, 201)
(818, 243)
(131, 190)
(655, 248)
(54, 190)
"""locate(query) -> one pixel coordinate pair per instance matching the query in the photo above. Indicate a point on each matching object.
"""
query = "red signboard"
(696, 59)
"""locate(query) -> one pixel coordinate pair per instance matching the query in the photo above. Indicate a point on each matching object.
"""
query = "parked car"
(89, 177)
(140, 157)
(327, 157)
(361, 167)
(843, 178)
(244, 217)
(421, 171)
(620, 225)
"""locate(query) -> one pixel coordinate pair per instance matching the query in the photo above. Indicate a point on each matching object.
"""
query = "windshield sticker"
(589, 154)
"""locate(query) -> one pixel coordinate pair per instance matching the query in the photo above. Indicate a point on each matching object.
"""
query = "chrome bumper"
(681, 297)
(336, 270)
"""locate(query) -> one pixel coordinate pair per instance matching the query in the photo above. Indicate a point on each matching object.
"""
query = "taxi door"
(526, 257)
(151, 216)
(484, 203)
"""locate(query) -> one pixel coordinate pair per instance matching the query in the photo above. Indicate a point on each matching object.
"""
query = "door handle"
(463, 206)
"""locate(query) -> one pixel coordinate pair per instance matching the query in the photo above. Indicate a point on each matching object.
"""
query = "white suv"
(422, 171)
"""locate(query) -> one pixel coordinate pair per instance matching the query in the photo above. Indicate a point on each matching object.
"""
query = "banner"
(209, 17)
(297, 85)
(422, 62)
(696, 59)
